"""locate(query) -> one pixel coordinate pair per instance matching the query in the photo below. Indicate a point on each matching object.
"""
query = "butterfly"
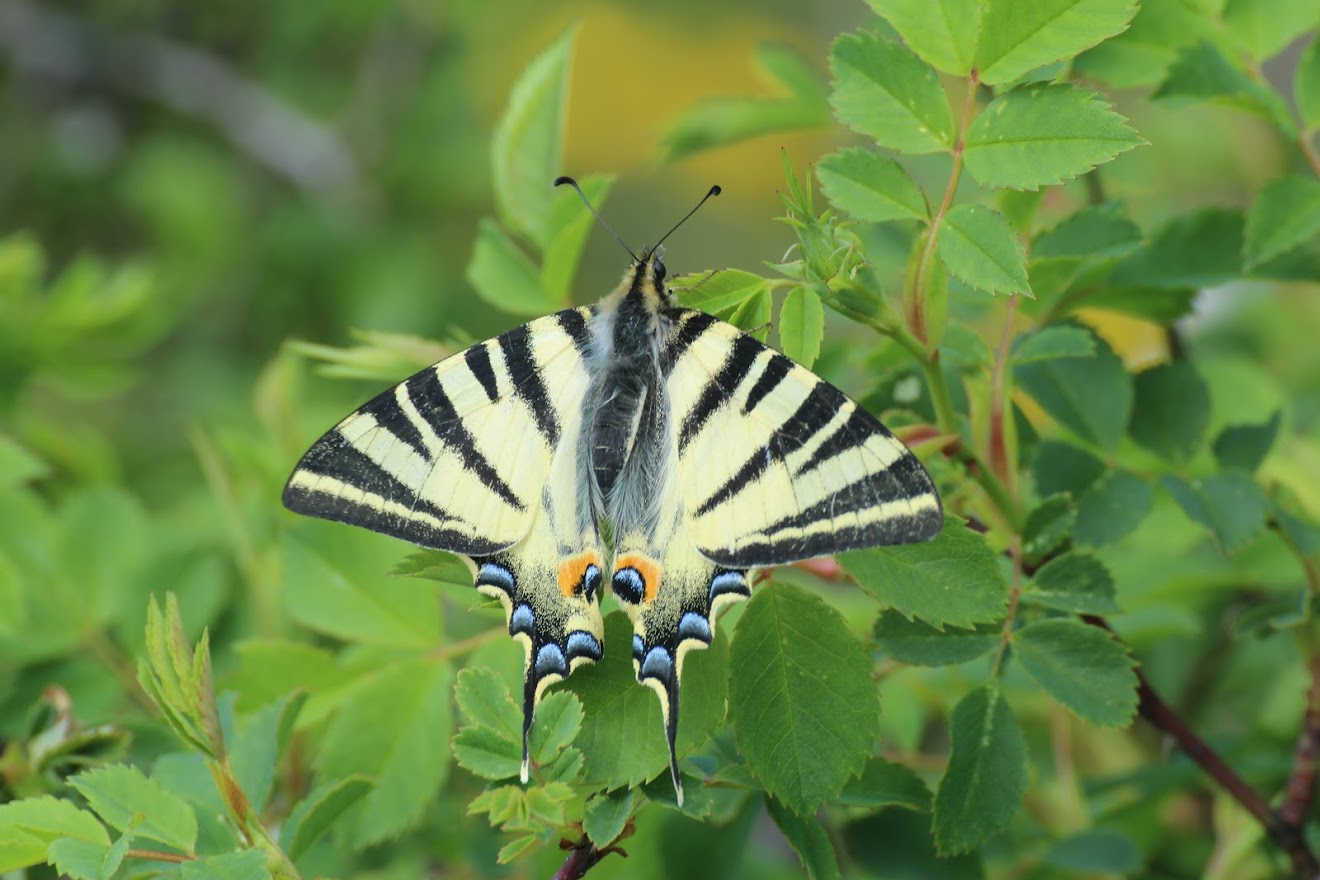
(633, 444)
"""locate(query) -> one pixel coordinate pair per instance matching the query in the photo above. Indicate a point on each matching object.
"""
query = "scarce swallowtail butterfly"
(633, 444)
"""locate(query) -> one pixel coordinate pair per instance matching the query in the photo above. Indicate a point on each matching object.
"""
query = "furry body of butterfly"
(706, 452)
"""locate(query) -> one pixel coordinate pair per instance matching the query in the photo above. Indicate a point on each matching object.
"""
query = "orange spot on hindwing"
(636, 578)
(580, 575)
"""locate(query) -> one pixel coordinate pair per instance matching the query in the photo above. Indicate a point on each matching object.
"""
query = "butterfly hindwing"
(477, 455)
(777, 465)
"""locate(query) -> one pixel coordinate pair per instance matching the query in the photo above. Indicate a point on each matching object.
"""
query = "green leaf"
(47, 818)
(794, 660)
(1052, 342)
(79, 859)
(1285, 215)
(571, 222)
(871, 187)
(1200, 249)
(117, 793)
(503, 276)
(1095, 231)
(557, 722)
(1170, 410)
(483, 698)
(1082, 666)
(802, 325)
(1112, 508)
(1229, 504)
(247, 865)
(727, 120)
(327, 595)
(1265, 27)
(884, 91)
(943, 33)
(490, 754)
(1202, 72)
(316, 813)
(987, 773)
(515, 848)
(1091, 396)
(1017, 37)
(808, 840)
(753, 316)
(1044, 134)
(1306, 86)
(270, 668)
(1076, 582)
(981, 249)
(1141, 55)
(606, 815)
(920, 644)
(953, 580)
(621, 737)
(1245, 446)
(1048, 525)
(1063, 467)
(885, 783)
(527, 147)
(717, 291)
(256, 748)
(393, 728)
(1155, 304)
(963, 347)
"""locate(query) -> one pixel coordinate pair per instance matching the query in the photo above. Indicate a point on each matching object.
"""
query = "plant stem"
(1004, 467)
(1014, 595)
(916, 297)
(1288, 838)
(152, 855)
(582, 857)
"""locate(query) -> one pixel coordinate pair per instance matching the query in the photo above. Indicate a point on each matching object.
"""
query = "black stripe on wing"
(428, 396)
(525, 374)
(691, 326)
(904, 479)
(716, 393)
(477, 359)
(335, 458)
(819, 407)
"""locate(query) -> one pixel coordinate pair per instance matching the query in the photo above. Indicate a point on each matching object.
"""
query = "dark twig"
(1300, 790)
(1288, 837)
(582, 857)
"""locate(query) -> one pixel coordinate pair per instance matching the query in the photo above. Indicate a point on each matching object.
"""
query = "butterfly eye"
(658, 270)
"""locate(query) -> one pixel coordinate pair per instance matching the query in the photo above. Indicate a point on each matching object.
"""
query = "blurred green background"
(184, 187)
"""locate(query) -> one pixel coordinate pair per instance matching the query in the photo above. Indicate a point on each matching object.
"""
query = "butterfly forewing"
(777, 465)
(453, 458)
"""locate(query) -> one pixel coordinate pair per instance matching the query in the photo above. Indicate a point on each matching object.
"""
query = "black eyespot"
(658, 270)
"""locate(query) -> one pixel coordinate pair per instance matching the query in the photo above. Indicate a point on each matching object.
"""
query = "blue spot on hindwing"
(550, 661)
(522, 620)
(591, 579)
(639, 648)
(694, 626)
(728, 581)
(659, 663)
(496, 575)
(583, 644)
(629, 586)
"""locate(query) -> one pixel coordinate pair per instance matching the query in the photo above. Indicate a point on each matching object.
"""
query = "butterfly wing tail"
(551, 608)
(673, 608)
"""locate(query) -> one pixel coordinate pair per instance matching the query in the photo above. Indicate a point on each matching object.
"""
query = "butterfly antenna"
(713, 191)
(560, 181)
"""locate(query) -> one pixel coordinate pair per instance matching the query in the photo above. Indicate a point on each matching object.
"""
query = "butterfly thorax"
(623, 452)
